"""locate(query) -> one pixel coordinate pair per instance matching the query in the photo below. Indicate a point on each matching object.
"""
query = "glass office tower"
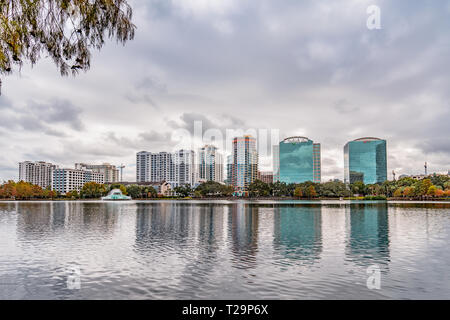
(365, 160)
(299, 159)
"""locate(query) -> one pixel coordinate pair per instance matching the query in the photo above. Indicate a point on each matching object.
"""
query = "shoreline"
(233, 199)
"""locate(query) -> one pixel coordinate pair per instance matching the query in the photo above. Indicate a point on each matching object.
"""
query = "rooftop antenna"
(425, 166)
(121, 171)
(393, 174)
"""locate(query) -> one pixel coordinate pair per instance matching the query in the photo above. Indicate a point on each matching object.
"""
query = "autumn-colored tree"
(298, 192)
(408, 191)
(92, 190)
(398, 193)
(421, 187)
(439, 193)
(431, 191)
(311, 192)
(64, 30)
(73, 195)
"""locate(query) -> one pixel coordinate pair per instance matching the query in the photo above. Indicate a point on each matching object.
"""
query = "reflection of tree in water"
(42, 219)
(8, 207)
(100, 217)
(298, 232)
(369, 234)
(243, 224)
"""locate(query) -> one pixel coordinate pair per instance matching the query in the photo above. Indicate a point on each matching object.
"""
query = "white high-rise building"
(36, 172)
(276, 163)
(110, 171)
(176, 168)
(210, 164)
(185, 173)
(66, 180)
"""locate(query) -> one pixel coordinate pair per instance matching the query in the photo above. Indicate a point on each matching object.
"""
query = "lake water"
(224, 250)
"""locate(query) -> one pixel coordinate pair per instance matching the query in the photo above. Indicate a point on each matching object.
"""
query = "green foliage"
(259, 188)
(333, 189)
(358, 188)
(280, 189)
(213, 189)
(66, 31)
(141, 192)
(73, 195)
(93, 190)
(298, 192)
(379, 197)
(440, 181)
(122, 188)
(183, 191)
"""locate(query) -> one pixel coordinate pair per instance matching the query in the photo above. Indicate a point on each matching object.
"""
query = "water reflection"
(219, 250)
(42, 219)
(243, 226)
(298, 232)
(368, 238)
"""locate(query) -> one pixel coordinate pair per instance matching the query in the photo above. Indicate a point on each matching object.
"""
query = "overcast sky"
(309, 68)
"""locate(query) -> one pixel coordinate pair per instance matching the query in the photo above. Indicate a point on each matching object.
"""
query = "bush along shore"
(435, 188)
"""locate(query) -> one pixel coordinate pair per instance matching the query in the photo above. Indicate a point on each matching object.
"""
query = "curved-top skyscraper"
(365, 160)
(299, 160)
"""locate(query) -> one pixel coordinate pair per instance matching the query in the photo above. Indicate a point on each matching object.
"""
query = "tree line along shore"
(437, 187)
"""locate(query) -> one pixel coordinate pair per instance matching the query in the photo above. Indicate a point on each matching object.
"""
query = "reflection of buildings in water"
(162, 223)
(368, 241)
(40, 219)
(298, 231)
(178, 224)
(243, 227)
(189, 235)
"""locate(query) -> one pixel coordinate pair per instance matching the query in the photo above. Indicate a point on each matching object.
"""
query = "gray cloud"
(42, 117)
(304, 67)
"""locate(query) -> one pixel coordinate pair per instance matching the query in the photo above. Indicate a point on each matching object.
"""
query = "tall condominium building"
(176, 168)
(185, 173)
(299, 160)
(110, 171)
(66, 180)
(39, 173)
(365, 160)
(245, 162)
(229, 169)
(154, 167)
(210, 164)
(276, 163)
(266, 176)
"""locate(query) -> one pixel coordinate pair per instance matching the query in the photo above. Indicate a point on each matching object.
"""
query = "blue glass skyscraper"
(299, 160)
(365, 160)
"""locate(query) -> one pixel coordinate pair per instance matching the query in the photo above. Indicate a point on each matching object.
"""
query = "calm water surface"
(224, 250)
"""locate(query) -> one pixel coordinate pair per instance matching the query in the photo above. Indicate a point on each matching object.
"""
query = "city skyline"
(258, 65)
(165, 166)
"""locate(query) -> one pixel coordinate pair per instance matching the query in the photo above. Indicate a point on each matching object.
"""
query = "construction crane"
(121, 171)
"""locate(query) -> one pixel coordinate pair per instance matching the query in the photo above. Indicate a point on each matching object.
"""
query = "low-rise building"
(66, 180)
(266, 176)
(110, 171)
